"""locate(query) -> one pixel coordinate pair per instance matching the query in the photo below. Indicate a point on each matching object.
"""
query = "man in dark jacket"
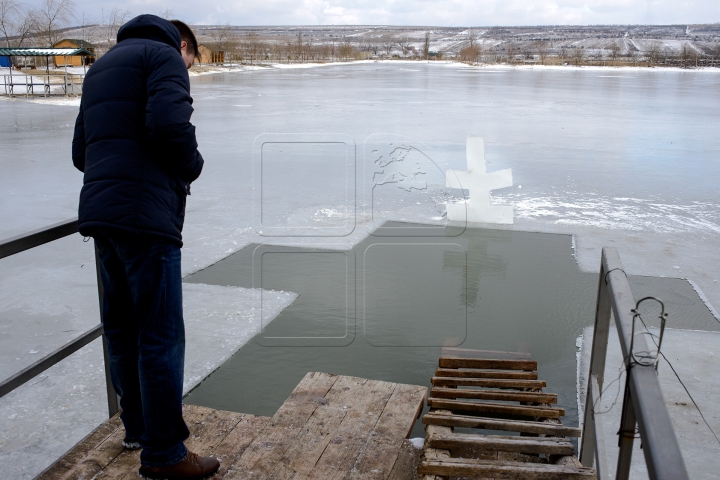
(136, 146)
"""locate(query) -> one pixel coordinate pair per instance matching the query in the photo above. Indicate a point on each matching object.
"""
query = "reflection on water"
(384, 310)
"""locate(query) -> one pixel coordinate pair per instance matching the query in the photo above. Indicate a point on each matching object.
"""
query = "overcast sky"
(420, 12)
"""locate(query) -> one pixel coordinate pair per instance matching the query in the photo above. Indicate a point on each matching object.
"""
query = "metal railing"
(643, 403)
(29, 240)
(27, 83)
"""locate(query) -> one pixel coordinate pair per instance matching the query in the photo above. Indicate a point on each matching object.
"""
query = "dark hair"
(188, 36)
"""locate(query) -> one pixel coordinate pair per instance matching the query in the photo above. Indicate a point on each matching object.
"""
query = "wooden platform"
(331, 426)
(505, 396)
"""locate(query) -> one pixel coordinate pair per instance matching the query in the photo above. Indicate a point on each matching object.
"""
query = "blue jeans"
(143, 321)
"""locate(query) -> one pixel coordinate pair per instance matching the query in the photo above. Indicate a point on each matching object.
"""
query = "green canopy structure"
(44, 52)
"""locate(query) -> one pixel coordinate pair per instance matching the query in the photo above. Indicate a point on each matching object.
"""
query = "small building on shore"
(76, 60)
(208, 54)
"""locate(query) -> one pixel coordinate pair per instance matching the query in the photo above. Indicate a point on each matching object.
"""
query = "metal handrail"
(35, 238)
(26, 80)
(26, 241)
(643, 404)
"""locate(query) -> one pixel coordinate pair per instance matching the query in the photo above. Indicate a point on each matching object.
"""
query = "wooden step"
(517, 444)
(520, 426)
(451, 362)
(489, 383)
(502, 408)
(462, 467)
(532, 397)
(473, 353)
(486, 373)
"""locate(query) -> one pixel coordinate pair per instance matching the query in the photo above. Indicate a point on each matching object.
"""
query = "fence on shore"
(34, 84)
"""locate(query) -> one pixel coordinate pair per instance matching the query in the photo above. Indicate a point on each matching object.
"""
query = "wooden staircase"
(499, 395)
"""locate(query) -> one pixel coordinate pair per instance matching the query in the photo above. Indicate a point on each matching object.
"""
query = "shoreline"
(445, 63)
(214, 70)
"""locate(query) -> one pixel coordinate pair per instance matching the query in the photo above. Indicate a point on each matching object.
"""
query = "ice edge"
(704, 299)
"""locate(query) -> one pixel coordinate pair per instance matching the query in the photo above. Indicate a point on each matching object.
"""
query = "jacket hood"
(150, 27)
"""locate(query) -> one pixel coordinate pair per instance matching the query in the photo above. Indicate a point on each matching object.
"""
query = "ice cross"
(479, 183)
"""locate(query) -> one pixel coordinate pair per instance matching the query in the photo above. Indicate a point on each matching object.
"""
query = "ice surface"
(403, 182)
(613, 161)
(46, 416)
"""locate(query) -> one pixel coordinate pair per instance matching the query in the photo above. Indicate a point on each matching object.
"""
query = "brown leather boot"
(189, 468)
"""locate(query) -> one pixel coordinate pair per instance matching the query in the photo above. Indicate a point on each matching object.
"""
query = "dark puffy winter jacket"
(133, 137)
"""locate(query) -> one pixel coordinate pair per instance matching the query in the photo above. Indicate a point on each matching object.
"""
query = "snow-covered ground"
(612, 159)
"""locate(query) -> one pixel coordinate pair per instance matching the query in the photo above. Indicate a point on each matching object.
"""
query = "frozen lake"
(610, 155)
(625, 158)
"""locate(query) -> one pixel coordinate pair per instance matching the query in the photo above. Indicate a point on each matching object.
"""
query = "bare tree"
(404, 45)
(86, 26)
(578, 56)
(10, 13)
(685, 55)
(653, 53)
(222, 39)
(511, 52)
(374, 47)
(542, 50)
(254, 47)
(165, 13)
(53, 15)
(387, 46)
(472, 37)
(232, 44)
(469, 54)
(347, 50)
(426, 45)
(112, 23)
(25, 27)
(614, 51)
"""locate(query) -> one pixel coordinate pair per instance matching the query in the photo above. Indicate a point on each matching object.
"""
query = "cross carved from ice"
(479, 183)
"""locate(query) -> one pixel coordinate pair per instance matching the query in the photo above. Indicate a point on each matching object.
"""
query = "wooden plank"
(101, 456)
(354, 430)
(201, 422)
(262, 455)
(125, 465)
(384, 445)
(66, 466)
(473, 353)
(406, 464)
(534, 445)
(449, 362)
(318, 431)
(565, 460)
(489, 383)
(486, 373)
(432, 454)
(497, 424)
(510, 396)
(502, 408)
(462, 467)
(237, 440)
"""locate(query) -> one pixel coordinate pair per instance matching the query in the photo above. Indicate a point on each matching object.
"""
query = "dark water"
(384, 310)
